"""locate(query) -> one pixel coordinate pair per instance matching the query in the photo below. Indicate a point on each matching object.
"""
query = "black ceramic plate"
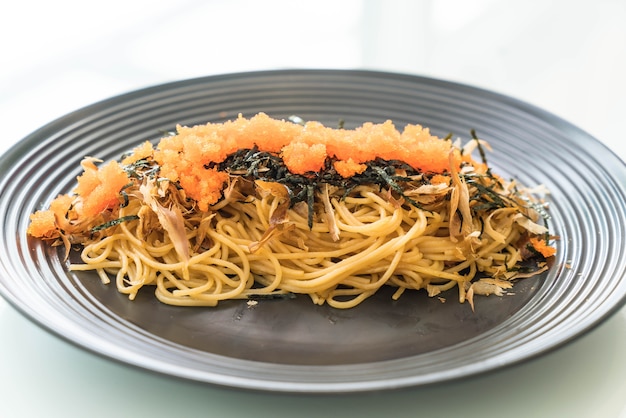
(292, 345)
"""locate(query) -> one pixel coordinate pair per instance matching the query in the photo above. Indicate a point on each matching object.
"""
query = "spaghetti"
(256, 208)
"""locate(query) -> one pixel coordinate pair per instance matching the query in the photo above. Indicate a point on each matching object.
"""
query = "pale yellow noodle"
(379, 244)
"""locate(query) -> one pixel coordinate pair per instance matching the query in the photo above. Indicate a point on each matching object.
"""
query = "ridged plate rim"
(585, 286)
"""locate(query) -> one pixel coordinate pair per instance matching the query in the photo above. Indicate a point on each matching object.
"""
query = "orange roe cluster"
(46, 223)
(98, 189)
(304, 148)
(347, 168)
(184, 161)
(42, 224)
(542, 247)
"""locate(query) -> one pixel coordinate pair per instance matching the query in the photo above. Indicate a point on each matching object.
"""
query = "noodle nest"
(337, 238)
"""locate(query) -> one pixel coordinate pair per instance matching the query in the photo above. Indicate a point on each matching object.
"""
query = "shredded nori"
(485, 197)
(261, 165)
(113, 222)
(141, 169)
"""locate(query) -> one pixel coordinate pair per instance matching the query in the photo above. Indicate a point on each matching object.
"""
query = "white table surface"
(568, 57)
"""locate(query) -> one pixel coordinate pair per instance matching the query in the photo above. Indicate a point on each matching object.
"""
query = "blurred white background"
(566, 56)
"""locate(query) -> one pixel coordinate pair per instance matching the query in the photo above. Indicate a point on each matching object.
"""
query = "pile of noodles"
(258, 208)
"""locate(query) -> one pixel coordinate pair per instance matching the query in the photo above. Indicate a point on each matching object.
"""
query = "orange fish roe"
(268, 134)
(205, 186)
(213, 142)
(184, 156)
(302, 158)
(542, 247)
(348, 168)
(144, 150)
(100, 188)
(42, 224)
(185, 162)
(440, 179)
(367, 142)
(61, 205)
(45, 223)
(424, 151)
